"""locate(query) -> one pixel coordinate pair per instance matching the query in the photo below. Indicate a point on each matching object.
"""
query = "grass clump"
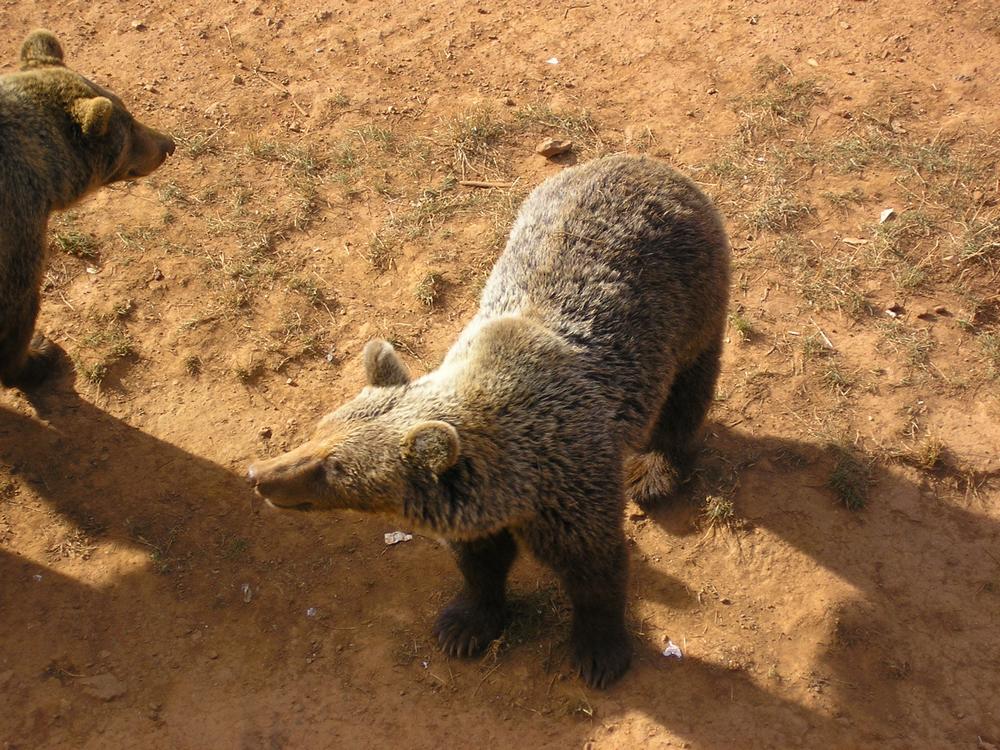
(742, 326)
(718, 511)
(779, 213)
(77, 244)
(428, 291)
(850, 478)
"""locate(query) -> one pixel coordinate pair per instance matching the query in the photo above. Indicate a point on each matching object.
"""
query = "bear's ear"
(93, 115)
(383, 367)
(41, 49)
(433, 445)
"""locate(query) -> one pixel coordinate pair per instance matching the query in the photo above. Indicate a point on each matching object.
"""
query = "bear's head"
(368, 454)
(117, 145)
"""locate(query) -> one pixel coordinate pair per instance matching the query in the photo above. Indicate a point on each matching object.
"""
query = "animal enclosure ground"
(832, 574)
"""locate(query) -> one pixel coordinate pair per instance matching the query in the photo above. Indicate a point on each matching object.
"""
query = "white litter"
(553, 61)
(311, 612)
(673, 650)
(886, 214)
(247, 592)
(395, 537)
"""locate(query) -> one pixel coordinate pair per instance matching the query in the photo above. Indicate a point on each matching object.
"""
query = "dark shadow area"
(911, 648)
(926, 571)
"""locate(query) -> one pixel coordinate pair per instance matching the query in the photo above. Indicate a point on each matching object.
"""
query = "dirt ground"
(832, 574)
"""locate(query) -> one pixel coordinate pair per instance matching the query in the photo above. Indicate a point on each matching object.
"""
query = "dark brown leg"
(478, 615)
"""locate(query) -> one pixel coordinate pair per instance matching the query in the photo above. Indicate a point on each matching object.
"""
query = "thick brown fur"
(61, 137)
(584, 377)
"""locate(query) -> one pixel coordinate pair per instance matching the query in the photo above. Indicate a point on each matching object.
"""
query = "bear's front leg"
(26, 358)
(602, 648)
(592, 563)
(477, 617)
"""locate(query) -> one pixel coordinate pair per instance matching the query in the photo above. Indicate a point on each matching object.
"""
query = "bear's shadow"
(97, 470)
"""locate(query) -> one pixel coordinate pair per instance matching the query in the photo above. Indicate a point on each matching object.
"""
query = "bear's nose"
(169, 147)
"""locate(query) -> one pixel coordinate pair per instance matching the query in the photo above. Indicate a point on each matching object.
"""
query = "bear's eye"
(334, 468)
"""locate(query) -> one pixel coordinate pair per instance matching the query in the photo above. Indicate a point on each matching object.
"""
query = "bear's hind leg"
(25, 359)
(477, 616)
(656, 474)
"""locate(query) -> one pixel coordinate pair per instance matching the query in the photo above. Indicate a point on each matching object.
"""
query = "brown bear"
(61, 137)
(584, 377)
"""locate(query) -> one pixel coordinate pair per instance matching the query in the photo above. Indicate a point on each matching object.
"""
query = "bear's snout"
(168, 147)
(292, 480)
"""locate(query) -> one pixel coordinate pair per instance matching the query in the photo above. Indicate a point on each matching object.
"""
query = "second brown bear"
(61, 137)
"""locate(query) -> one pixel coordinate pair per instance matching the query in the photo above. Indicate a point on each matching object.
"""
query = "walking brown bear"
(583, 379)
(61, 137)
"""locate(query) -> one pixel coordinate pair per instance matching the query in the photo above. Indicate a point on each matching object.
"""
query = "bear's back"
(623, 258)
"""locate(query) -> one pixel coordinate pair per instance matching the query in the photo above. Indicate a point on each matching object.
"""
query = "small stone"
(105, 687)
(895, 310)
(238, 79)
(942, 310)
(886, 215)
(812, 61)
(157, 275)
(553, 147)
(265, 433)
(139, 25)
(726, 600)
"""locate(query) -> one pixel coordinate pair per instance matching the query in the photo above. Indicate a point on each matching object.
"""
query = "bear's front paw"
(42, 361)
(601, 658)
(466, 629)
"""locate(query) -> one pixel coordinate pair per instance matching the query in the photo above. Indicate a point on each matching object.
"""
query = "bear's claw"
(465, 629)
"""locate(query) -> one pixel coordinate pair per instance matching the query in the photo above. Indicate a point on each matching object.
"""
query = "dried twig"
(486, 184)
(826, 340)
(280, 88)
